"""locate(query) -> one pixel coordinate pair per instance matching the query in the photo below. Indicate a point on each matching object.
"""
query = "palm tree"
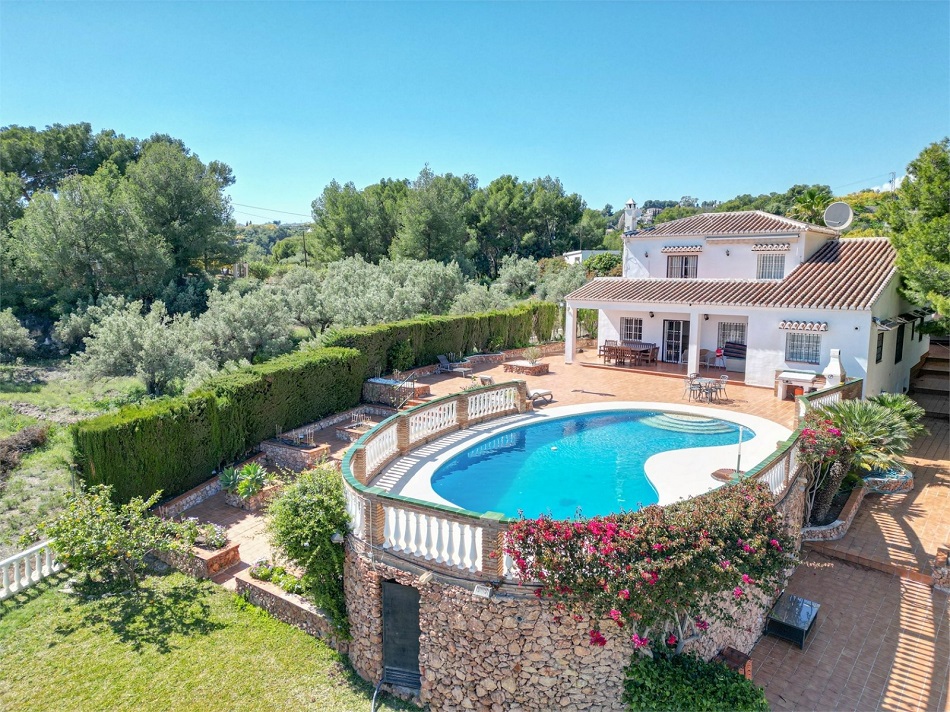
(874, 437)
(906, 407)
(810, 206)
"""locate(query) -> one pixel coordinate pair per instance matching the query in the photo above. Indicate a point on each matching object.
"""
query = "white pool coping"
(676, 474)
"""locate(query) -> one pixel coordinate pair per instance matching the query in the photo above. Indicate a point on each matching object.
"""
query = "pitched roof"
(745, 222)
(842, 274)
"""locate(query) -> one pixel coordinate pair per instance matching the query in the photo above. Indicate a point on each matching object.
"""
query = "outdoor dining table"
(708, 386)
(627, 352)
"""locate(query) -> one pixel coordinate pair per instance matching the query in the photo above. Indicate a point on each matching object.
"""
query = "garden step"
(687, 423)
(931, 384)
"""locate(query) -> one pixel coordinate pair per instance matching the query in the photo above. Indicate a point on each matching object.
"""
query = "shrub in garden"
(247, 481)
(278, 575)
(906, 407)
(108, 541)
(686, 682)
(660, 573)
(851, 433)
(303, 518)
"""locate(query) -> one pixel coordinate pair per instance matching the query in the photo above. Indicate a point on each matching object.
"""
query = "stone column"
(402, 434)
(570, 334)
(461, 411)
(358, 465)
(493, 559)
(378, 523)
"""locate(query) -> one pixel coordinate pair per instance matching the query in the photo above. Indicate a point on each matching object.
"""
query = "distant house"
(777, 294)
(578, 256)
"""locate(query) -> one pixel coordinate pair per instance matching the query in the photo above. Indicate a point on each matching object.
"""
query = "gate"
(401, 635)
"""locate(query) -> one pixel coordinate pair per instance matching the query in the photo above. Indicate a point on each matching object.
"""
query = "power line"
(880, 175)
(252, 215)
(272, 210)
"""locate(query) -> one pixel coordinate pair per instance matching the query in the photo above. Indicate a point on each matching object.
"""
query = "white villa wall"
(888, 376)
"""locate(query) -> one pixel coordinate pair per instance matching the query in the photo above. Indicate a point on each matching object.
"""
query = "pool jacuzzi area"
(591, 459)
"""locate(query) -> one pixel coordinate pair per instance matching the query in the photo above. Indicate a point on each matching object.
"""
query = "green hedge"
(434, 335)
(172, 444)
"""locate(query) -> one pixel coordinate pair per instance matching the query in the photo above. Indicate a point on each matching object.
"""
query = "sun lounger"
(541, 394)
(445, 366)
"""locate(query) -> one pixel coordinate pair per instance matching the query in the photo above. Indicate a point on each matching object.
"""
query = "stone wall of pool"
(508, 652)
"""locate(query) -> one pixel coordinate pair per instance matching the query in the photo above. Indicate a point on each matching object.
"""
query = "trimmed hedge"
(431, 336)
(173, 444)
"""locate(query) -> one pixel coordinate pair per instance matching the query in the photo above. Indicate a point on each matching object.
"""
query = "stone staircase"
(680, 423)
(931, 386)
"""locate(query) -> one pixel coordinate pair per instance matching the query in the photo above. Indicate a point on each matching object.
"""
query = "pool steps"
(688, 423)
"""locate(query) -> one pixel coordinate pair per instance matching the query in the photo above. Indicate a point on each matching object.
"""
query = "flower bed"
(255, 502)
(201, 563)
(839, 527)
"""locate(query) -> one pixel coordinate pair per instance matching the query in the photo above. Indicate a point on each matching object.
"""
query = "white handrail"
(22, 570)
(481, 404)
(433, 538)
(354, 507)
(432, 420)
(381, 447)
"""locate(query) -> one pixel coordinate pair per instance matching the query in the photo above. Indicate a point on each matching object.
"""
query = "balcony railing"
(22, 570)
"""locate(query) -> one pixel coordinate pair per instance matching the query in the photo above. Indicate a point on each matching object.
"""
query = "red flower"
(597, 638)
(671, 641)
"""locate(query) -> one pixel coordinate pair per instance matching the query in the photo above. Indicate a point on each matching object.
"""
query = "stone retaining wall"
(293, 457)
(839, 527)
(508, 652)
(289, 608)
(201, 563)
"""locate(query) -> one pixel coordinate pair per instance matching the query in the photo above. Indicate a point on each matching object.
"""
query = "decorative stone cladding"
(195, 496)
(383, 393)
(201, 563)
(839, 527)
(289, 608)
(941, 569)
(895, 484)
(293, 457)
(508, 652)
(253, 503)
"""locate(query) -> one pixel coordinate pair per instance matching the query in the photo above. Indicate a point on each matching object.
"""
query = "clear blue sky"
(649, 100)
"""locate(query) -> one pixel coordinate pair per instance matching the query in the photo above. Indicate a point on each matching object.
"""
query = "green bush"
(686, 682)
(388, 346)
(172, 444)
(303, 518)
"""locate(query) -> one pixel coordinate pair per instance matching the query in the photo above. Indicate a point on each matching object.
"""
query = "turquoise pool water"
(592, 462)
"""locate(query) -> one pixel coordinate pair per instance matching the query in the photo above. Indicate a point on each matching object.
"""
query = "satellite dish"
(838, 215)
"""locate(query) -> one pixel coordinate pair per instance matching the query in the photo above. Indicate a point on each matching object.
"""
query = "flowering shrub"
(656, 573)
(824, 448)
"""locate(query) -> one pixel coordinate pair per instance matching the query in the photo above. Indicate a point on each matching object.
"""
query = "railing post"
(358, 465)
(461, 411)
(378, 532)
(522, 387)
(493, 555)
(402, 435)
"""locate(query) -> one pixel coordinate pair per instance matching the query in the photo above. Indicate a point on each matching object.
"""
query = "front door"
(675, 340)
(401, 634)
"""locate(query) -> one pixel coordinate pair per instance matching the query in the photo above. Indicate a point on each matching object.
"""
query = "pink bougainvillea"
(661, 568)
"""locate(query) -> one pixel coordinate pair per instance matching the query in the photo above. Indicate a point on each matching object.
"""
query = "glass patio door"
(675, 340)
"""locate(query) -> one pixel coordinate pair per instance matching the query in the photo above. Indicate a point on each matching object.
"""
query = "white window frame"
(732, 331)
(770, 265)
(682, 266)
(631, 328)
(802, 347)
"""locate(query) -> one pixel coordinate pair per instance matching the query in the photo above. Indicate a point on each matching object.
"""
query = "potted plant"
(532, 355)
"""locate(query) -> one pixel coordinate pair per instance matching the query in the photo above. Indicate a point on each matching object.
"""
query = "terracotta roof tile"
(745, 222)
(842, 274)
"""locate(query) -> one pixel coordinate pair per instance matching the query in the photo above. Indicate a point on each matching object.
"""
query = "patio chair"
(692, 388)
(654, 352)
(447, 367)
(721, 386)
(540, 394)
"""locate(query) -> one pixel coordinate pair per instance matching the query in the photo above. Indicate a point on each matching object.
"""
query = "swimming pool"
(594, 462)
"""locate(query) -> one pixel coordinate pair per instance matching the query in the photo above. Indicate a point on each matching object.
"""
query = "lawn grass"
(178, 644)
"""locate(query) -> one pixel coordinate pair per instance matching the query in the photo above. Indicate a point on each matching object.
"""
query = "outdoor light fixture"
(646, 254)
(651, 315)
(337, 538)
(705, 317)
(727, 253)
(425, 578)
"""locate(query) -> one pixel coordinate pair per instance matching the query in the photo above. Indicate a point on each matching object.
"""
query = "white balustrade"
(22, 570)
(774, 476)
(433, 538)
(481, 404)
(354, 507)
(380, 448)
(432, 420)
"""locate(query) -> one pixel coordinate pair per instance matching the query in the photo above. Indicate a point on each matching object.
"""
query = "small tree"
(14, 337)
(303, 520)
(99, 538)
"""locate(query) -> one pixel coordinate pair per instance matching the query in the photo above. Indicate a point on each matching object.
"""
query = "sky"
(618, 100)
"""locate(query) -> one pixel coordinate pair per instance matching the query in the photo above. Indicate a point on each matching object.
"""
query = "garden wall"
(507, 652)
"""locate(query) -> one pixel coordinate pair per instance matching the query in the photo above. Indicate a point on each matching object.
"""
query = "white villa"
(780, 296)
